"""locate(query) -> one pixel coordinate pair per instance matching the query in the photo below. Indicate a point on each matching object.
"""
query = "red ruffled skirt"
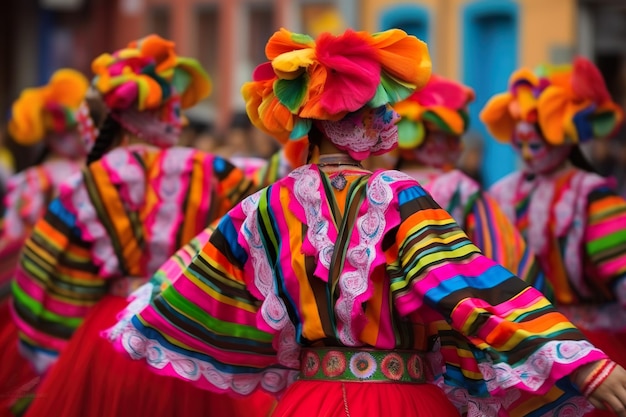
(92, 379)
(18, 379)
(363, 399)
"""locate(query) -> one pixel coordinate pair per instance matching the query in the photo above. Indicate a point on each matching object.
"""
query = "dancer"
(112, 226)
(56, 118)
(433, 120)
(571, 217)
(326, 287)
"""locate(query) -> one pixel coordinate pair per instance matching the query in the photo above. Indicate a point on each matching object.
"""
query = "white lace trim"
(532, 374)
(308, 195)
(138, 346)
(273, 309)
(354, 281)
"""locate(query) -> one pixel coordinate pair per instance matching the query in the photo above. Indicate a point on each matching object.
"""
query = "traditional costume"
(350, 293)
(112, 226)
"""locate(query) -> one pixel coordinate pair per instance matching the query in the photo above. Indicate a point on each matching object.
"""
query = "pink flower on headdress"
(352, 69)
(332, 77)
(442, 104)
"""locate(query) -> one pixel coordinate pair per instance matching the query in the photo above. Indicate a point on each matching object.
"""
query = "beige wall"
(545, 25)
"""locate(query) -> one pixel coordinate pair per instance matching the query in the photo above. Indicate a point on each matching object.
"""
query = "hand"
(610, 394)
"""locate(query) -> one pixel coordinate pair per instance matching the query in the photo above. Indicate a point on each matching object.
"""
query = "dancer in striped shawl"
(350, 293)
(571, 217)
(56, 118)
(429, 145)
(112, 226)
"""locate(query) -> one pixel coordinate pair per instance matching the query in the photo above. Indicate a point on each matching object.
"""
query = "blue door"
(410, 18)
(490, 40)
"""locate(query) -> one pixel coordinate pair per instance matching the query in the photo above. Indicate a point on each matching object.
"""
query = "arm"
(605, 242)
(209, 320)
(500, 333)
(55, 285)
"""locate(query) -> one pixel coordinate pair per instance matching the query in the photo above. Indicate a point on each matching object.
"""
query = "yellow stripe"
(196, 194)
(115, 209)
(219, 296)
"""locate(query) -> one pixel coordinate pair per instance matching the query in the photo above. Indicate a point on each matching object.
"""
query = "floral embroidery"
(310, 363)
(415, 367)
(392, 366)
(334, 364)
(363, 365)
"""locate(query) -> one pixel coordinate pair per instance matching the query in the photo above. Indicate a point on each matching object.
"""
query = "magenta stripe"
(212, 306)
(154, 320)
(524, 301)
(49, 303)
(605, 227)
(39, 338)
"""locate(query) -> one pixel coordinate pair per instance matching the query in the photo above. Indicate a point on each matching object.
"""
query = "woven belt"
(369, 365)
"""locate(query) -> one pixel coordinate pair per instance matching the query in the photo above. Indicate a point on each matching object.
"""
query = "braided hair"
(109, 132)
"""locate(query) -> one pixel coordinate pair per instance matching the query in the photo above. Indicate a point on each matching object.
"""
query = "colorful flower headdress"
(146, 74)
(442, 103)
(328, 78)
(569, 104)
(52, 108)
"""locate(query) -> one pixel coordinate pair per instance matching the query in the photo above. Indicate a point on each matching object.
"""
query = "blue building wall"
(413, 19)
(490, 39)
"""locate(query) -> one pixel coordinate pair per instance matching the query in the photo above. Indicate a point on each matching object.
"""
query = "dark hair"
(315, 140)
(579, 160)
(109, 132)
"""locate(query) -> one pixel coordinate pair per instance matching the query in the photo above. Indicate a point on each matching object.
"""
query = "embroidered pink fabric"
(86, 127)
(147, 126)
(365, 132)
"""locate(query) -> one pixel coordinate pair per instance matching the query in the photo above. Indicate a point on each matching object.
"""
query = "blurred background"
(478, 42)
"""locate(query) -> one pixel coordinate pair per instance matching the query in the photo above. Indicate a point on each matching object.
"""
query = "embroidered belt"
(123, 287)
(368, 365)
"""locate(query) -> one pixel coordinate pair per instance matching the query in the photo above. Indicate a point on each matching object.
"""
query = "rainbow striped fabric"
(576, 225)
(376, 264)
(121, 219)
(28, 195)
(487, 226)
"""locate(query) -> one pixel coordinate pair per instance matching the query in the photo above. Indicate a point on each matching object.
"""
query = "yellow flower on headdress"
(50, 108)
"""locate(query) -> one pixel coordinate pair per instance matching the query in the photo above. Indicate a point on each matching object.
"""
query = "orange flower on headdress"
(442, 103)
(330, 77)
(51, 108)
(570, 105)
